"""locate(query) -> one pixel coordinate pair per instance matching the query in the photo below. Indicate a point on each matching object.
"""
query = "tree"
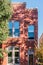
(39, 54)
(5, 14)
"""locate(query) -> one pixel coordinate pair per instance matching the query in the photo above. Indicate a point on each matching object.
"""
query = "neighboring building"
(23, 32)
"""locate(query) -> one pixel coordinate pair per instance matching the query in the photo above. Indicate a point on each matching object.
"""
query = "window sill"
(31, 39)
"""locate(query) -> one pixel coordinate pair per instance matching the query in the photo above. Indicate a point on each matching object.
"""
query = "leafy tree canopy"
(5, 14)
(39, 54)
(5, 9)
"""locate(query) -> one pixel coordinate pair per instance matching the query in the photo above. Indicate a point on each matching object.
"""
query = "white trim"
(12, 28)
(13, 53)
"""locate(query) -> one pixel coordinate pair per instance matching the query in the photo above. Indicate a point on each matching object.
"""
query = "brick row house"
(23, 36)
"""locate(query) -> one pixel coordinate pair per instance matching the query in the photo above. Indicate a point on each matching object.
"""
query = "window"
(31, 32)
(10, 48)
(17, 60)
(30, 56)
(9, 57)
(10, 28)
(13, 55)
(31, 59)
(14, 28)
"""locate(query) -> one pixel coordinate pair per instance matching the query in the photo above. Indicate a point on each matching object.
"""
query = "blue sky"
(35, 4)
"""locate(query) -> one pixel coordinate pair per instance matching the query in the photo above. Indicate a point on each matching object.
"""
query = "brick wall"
(25, 17)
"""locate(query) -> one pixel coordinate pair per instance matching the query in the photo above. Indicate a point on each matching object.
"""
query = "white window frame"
(13, 53)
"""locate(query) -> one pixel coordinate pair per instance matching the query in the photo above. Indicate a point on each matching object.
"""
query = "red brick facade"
(26, 17)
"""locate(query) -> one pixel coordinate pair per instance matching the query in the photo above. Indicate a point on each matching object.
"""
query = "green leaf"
(5, 14)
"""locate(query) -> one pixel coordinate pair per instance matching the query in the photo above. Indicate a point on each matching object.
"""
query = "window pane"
(16, 28)
(31, 28)
(16, 48)
(10, 25)
(10, 32)
(10, 60)
(31, 59)
(16, 25)
(16, 32)
(9, 54)
(17, 60)
(16, 54)
(10, 48)
(10, 28)
(31, 35)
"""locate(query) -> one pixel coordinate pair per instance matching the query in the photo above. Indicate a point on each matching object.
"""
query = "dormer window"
(31, 31)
